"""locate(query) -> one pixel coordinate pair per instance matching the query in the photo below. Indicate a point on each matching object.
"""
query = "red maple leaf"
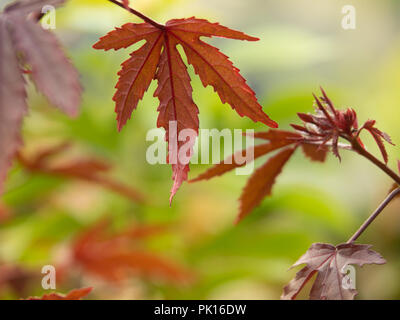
(76, 294)
(24, 42)
(329, 263)
(159, 58)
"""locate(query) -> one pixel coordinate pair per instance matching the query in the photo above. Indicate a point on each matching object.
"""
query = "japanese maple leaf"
(261, 182)
(86, 168)
(24, 43)
(117, 256)
(159, 58)
(329, 263)
(76, 294)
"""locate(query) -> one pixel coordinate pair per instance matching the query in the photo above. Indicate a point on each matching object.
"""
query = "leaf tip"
(270, 123)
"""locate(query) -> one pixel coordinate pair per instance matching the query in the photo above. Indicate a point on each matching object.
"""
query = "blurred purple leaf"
(23, 42)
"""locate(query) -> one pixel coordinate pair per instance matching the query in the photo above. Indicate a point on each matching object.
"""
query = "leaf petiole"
(374, 215)
(139, 14)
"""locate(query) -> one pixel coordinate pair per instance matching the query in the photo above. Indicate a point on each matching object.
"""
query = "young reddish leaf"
(174, 90)
(381, 145)
(278, 139)
(87, 169)
(113, 257)
(261, 182)
(76, 294)
(329, 263)
(379, 138)
(22, 41)
(315, 152)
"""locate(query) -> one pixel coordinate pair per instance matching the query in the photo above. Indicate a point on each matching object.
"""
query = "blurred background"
(198, 251)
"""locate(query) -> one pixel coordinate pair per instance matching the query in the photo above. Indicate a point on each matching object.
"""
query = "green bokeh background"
(302, 47)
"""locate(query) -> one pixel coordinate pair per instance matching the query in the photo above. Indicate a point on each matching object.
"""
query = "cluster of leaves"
(27, 48)
(319, 134)
(160, 59)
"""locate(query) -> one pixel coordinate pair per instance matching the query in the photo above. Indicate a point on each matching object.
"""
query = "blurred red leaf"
(159, 58)
(329, 263)
(87, 169)
(76, 294)
(117, 256)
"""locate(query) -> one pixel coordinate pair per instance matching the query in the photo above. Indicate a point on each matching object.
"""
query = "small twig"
(366, 224)
(360, 150)
(140, 15)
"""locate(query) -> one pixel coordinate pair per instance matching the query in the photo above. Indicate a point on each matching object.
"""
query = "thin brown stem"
(382, 206)
(360, 150)
(357, 147)
(139, 14)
